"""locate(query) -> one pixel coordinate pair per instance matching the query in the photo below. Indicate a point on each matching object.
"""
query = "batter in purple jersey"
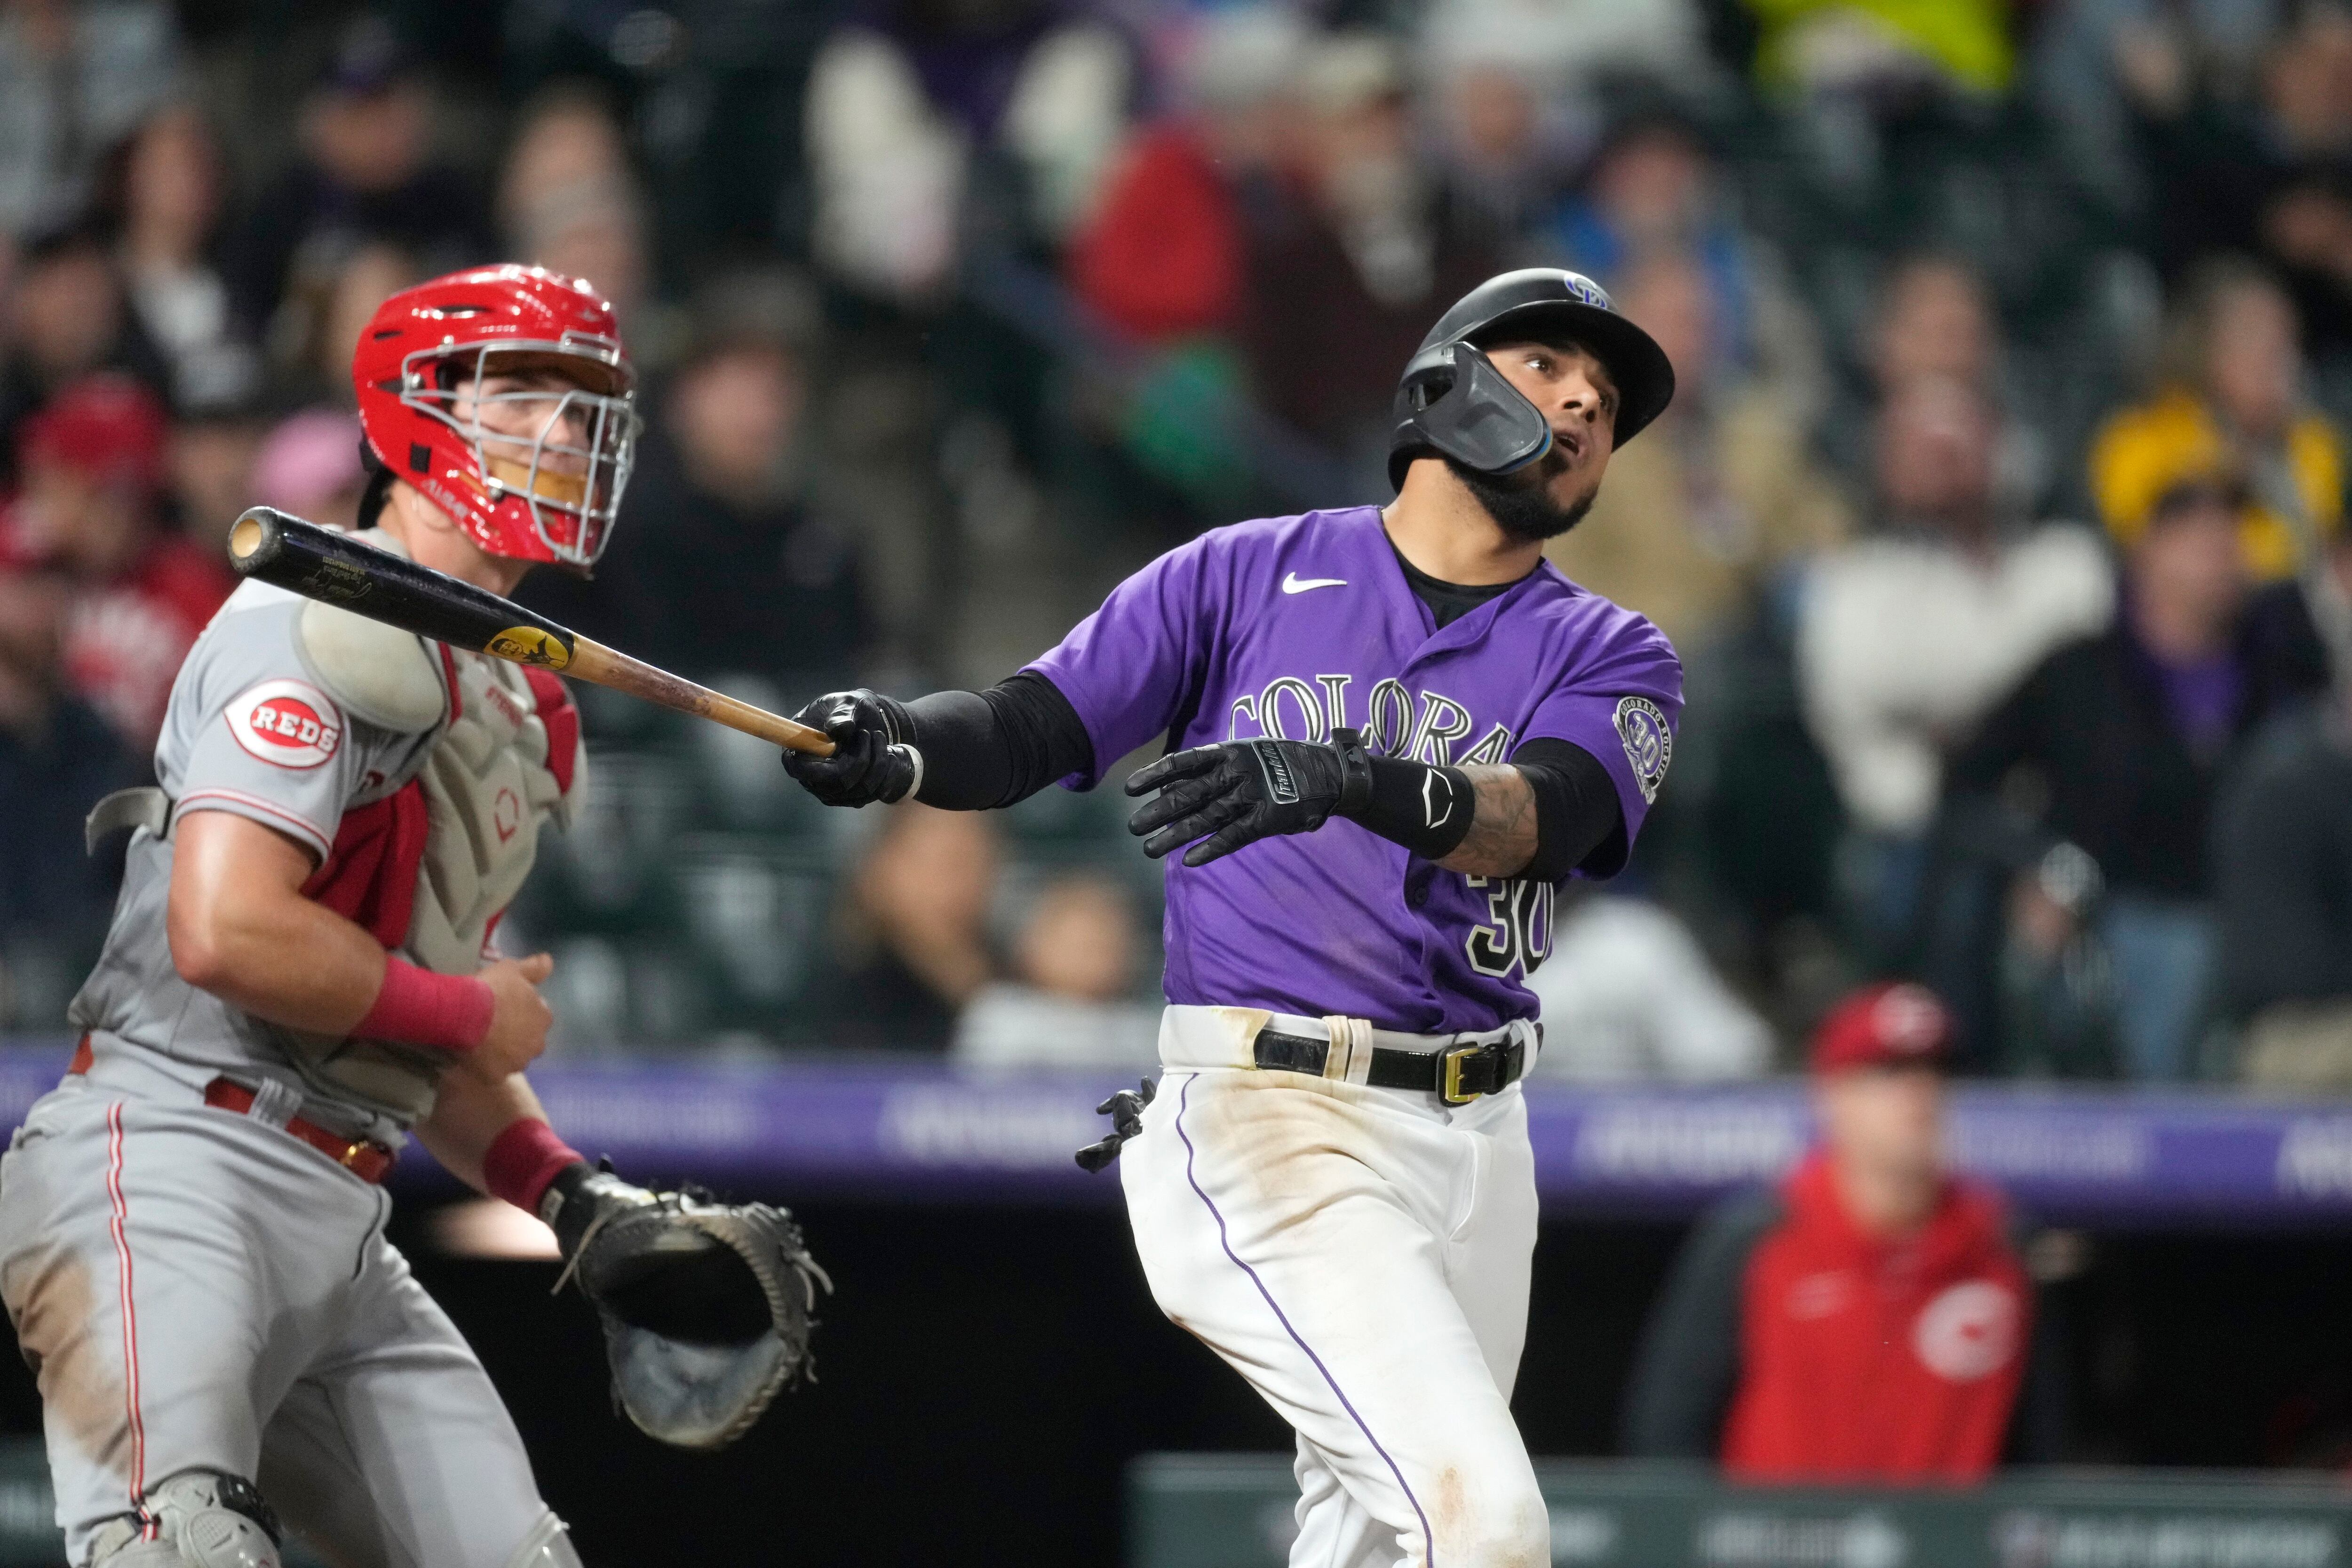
(1392, 735)
(1300, 628)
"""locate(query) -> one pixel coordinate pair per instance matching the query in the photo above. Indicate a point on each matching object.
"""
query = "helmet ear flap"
(1453, 399)
(374, 493)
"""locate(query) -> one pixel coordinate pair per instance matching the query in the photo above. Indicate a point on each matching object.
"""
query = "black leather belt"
(1456, 1076)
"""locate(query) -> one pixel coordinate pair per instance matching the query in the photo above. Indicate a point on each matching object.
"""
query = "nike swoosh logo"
(1292, 582)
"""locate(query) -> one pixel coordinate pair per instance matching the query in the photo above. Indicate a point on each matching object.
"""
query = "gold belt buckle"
(351, 1152)
(1452, 1093)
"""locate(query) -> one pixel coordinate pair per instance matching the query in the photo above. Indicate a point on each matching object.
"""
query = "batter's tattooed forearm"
(1502, 838)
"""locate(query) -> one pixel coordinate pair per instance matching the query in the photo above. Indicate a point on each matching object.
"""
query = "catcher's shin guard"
(549, 1545)
(201, 1519)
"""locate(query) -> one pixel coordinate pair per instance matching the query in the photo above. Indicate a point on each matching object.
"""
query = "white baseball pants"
(1362, 1256)
(197, 1289)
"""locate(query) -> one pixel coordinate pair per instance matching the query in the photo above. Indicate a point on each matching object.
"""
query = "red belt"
(362, 1157)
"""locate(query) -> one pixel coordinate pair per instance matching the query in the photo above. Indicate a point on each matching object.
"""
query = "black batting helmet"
(1453, 400)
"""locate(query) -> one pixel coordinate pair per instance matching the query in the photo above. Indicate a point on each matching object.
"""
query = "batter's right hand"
(520, 1017)
(873, 757)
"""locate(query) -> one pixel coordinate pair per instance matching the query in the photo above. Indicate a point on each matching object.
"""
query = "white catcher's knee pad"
(202, 1520)
(549, 1545)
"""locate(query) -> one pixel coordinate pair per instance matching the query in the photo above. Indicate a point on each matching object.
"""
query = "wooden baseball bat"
(336, 569)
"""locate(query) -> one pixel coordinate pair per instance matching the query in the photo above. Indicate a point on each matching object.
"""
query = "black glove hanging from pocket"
(1125, 1109)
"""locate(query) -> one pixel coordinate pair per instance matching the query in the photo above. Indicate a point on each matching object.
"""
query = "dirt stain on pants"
(75, 1360)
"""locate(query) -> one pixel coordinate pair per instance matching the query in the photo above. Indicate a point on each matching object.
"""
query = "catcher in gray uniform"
(301, 971)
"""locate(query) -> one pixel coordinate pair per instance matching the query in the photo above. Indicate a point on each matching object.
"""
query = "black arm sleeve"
(1578, 823)
(997, 747)
(1688, 1365)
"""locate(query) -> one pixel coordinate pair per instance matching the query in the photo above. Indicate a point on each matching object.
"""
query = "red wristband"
(523, 1160)
(418, 1007)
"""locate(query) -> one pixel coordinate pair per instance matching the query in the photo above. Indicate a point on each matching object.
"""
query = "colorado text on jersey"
(1290, 709)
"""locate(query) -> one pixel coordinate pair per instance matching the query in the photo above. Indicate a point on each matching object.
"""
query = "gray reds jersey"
(415, 774)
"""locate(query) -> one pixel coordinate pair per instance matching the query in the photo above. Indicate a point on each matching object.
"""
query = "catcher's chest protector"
(504, 758)
(490, 783)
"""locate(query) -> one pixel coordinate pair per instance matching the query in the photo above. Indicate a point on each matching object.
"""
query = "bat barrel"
(320, 563)
(336, 569)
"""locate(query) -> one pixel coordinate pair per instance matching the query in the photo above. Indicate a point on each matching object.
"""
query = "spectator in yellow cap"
(2234, 406)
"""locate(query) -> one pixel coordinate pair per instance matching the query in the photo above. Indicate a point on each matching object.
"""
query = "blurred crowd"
(1998, 519)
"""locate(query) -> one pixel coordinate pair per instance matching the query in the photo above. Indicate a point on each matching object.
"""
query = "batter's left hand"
(1233, 794)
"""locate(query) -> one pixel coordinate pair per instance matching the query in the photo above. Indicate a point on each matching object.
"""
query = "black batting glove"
(1239, 792)
(873, 757)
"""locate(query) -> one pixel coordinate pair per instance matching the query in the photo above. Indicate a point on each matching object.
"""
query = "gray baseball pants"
(196, 1290)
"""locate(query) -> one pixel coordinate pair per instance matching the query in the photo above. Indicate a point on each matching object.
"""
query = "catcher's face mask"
(541, 438)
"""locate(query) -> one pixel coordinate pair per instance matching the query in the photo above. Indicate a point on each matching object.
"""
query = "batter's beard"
(1523, 511)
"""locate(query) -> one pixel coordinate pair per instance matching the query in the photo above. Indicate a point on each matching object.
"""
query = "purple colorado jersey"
(1294, 627)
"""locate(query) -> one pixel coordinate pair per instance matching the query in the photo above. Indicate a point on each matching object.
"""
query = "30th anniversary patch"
(1649, 745)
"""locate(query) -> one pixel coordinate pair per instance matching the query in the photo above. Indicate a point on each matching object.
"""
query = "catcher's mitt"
(706, 1307)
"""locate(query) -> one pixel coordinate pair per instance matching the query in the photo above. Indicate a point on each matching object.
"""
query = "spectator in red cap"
(91, 462)
(1869, 1319)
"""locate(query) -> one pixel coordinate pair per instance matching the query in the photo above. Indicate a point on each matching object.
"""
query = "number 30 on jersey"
(1517, 932)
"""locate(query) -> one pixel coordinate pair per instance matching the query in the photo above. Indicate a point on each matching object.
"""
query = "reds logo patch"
(287, 723)
(1969, 1332)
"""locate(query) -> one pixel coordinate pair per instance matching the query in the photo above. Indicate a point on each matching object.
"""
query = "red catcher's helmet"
(533, 474)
